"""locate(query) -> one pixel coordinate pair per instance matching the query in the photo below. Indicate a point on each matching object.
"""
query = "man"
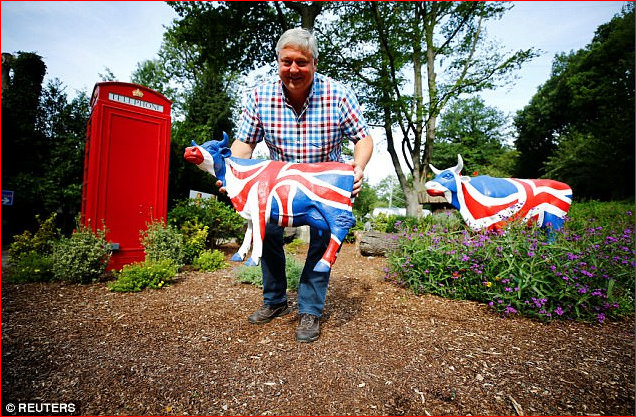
(303, 116)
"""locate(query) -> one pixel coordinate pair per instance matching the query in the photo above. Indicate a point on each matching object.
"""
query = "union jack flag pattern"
(288, 194)
(486, 202)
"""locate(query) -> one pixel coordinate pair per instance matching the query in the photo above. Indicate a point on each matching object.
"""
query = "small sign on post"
(7, 198)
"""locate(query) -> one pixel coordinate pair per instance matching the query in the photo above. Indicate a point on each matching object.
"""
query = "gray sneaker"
(267, 313)
(308, 329)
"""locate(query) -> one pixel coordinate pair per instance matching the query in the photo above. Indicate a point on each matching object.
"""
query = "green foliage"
(253, 275)
(475, 131)
(586, 105)
(163, 242)
(31, 254)
(82, 258)
(41, 242)
(53, 129)
(194, 235)
(222, 220)
(148, 274)
(294, 246)
(31, 267)
(586, 273)
(365, 201)
(210, 260)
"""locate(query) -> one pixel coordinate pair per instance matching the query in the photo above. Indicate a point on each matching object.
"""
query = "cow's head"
(447, 182)
(210, 156)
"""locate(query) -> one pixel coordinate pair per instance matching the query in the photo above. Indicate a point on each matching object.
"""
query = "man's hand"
(222, 189)
(362, 152)
(358, 178)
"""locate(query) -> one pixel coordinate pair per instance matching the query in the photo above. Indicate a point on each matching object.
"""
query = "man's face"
(296, 69)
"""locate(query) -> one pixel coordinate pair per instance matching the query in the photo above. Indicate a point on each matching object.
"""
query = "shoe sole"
(282, 313)
(311, 339)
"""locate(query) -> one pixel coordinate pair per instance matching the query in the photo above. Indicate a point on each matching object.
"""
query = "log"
(374, 243)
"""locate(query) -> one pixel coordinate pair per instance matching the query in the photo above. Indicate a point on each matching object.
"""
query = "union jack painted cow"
(288, 194)
(485, 202)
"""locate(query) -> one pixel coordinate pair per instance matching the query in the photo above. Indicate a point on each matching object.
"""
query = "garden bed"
(188, 349)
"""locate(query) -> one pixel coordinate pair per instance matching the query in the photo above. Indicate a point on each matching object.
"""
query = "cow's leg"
(258, 233)
(551, 223)
(338, 233)
(245, 246)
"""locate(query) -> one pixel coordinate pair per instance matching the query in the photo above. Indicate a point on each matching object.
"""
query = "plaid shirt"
(330, 115)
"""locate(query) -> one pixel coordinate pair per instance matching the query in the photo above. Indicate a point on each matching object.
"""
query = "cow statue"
(288, 194)
(485, 202)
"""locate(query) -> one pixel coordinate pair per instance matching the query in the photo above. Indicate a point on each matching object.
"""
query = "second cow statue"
(288, 194)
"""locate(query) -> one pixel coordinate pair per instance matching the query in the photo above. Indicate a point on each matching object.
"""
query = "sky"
(79, 40)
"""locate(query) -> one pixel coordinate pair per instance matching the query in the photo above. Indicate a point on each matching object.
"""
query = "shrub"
(194, 237)
(31, 254)
(223, 221)
(163, 242)
(210, 260)
(82, 258)
(31, 267)
(148, 274)
(253, 275)
(41, 242)
(585, 274)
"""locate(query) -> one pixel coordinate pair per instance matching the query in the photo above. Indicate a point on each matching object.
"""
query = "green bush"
(30, 255)
(82, 258)
(210, 260)
(194, 236)
(41, 242)
(148, 274)
(253, 275)
(163, 242)
(586, 273)
(222, 220)
(31, 267)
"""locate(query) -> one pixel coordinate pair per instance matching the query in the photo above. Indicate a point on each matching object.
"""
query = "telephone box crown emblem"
(137, 93)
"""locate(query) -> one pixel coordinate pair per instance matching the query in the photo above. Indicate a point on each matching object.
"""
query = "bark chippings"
(189, 349)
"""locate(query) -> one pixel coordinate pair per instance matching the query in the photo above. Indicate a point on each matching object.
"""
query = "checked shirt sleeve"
(352, 122)
(250, 128)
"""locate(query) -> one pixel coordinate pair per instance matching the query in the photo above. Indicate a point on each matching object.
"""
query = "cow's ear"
(226, 152)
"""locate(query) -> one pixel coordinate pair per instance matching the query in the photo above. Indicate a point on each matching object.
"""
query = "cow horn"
(435, 170)
(226, 140)
(460, 164)
(194, 143)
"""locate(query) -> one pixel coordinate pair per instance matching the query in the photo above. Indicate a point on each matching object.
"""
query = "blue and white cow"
(485, 202)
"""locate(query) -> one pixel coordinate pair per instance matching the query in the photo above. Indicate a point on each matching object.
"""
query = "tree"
(478, 133)
(390, 193)
(579, 127)
(43, 147)
(393, 52)
(365, 201)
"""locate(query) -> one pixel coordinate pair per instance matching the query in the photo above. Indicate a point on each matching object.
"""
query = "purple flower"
(559, 311)
(600, 317)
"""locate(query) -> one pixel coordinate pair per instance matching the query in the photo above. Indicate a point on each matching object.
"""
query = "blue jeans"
(312, 288)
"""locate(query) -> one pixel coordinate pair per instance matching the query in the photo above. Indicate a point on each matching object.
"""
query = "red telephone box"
(126, 165)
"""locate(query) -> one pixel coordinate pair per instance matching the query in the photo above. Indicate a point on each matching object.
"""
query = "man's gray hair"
(299, 38)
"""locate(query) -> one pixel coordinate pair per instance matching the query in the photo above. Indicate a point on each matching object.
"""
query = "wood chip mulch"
(188, 350)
